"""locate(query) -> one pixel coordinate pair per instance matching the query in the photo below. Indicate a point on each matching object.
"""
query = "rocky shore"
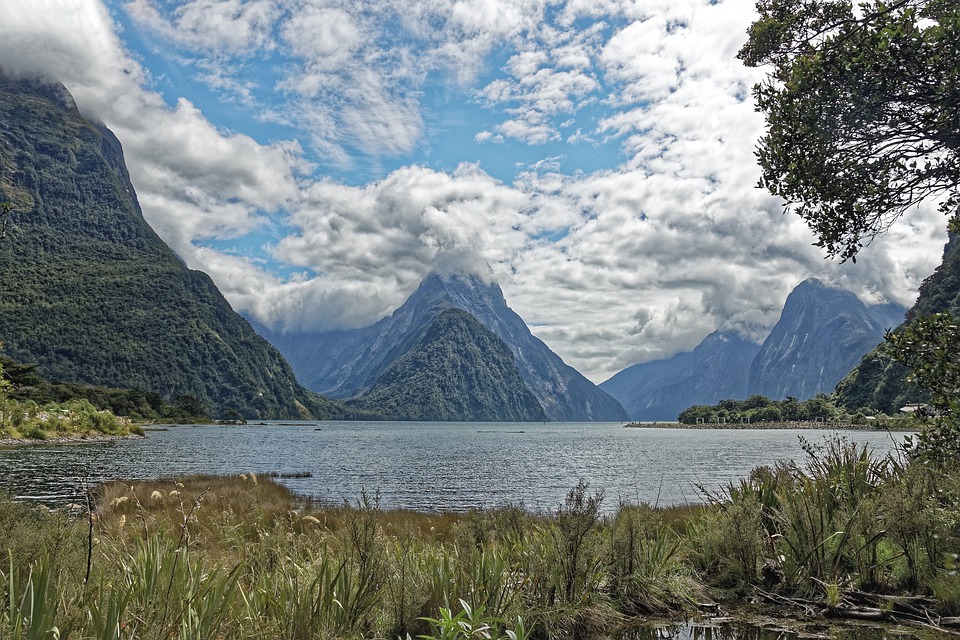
(57, 440)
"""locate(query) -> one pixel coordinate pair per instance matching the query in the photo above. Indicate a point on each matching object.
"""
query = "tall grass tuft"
(230, 558)
(647, 571)
(33, 611)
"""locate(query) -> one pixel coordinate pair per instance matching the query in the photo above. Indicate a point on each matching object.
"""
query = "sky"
(319, 158)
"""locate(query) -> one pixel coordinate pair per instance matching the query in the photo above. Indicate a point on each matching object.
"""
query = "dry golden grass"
(209, 504)
(201, 507)
(215, 511)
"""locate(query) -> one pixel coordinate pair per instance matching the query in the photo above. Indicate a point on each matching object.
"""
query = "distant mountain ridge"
(717, 369)
(822, 333)
(346, 364)
(91, 294)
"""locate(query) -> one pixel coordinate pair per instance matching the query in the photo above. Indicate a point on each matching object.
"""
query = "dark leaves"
(862, 111)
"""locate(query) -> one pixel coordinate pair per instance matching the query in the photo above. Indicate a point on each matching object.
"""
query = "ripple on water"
(426, 466)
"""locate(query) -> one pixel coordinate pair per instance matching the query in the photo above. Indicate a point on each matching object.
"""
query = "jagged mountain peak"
(817, 292)
(346, 364)
(822, 333)
(458, 288)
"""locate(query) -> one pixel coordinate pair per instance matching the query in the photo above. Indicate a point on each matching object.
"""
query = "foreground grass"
(214, 557)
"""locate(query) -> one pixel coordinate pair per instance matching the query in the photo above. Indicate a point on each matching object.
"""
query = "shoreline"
(768, 426)
(58, 440)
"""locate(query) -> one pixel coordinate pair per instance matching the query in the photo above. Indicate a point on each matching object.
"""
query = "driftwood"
(860, 605)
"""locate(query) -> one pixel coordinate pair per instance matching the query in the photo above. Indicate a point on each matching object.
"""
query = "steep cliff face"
(92, 294)
(822, 334)
(717, 369)
(348, 363)
(877, 381)
(457, 370)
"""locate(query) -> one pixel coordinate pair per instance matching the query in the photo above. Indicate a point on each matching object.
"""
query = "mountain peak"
(822, 333)
(349, 363)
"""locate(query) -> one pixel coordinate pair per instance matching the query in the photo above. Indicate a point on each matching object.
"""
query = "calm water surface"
(428, 466)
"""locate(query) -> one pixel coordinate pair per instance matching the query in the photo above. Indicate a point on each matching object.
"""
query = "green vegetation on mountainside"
(758, 408)
(91, 294)
(880, 382)
(459, 370)
(29, 389)
(72, 418)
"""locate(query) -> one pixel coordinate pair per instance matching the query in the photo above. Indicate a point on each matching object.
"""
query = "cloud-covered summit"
(320, 158)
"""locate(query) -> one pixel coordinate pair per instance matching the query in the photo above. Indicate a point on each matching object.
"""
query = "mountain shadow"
(458, 370)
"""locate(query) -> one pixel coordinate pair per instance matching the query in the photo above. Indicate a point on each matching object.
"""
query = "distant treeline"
(761, 409)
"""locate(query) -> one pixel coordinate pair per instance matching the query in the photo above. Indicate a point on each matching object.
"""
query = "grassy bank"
(242, 558)
(22, 421)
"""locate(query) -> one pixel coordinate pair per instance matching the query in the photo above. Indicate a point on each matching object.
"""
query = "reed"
(240, 557)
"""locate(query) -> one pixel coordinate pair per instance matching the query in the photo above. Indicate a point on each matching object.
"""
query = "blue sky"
(318, 158)
(456, 115)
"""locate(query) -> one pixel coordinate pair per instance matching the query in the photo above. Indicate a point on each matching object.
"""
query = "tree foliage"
(862, 103)
(930, 347)
(758, 408)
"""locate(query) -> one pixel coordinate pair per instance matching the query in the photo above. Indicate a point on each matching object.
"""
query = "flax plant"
(242, 558)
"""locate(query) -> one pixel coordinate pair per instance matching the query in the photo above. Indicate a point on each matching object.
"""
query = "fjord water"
(428, 466)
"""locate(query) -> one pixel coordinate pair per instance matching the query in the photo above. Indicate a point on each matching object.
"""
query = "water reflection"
(734, 630)
(708, 631)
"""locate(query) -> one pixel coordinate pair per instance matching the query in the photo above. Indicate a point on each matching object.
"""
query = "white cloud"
(386, 236)
(324, 35)
(234, 27)
(193, 180)
(631, 262)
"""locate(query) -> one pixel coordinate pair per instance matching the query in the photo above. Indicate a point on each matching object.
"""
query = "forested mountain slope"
(91, 294)
(457, 370)
(877, 381)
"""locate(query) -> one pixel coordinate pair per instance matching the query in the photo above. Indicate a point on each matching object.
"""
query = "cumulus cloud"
(634, 261)
(390, 233)
(235, 27)
(193, 180)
